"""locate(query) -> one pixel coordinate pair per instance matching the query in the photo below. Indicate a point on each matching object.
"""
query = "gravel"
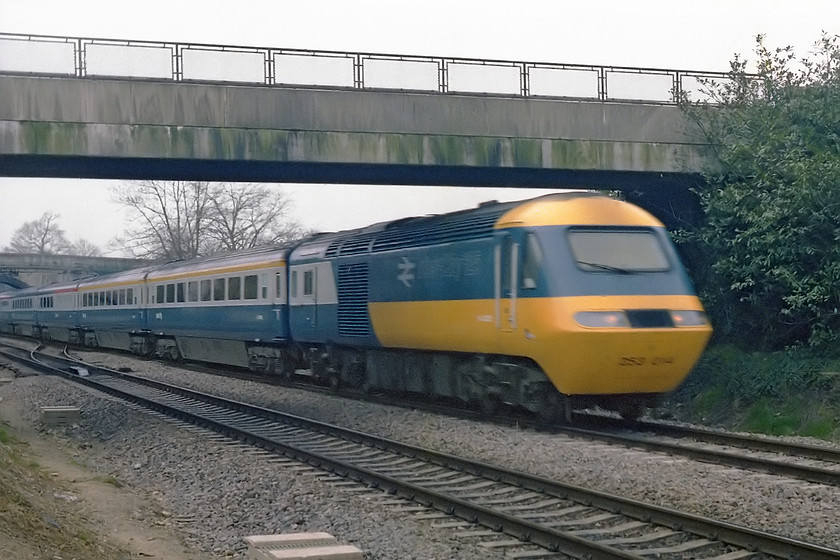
(214, 493)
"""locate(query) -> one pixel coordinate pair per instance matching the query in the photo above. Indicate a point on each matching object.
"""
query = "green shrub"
(779, 393)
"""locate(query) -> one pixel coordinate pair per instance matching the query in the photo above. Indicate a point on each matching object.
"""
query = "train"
(546, 305)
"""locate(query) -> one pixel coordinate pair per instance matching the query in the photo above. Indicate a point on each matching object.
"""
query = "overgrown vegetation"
(767, 257)
(788, 392)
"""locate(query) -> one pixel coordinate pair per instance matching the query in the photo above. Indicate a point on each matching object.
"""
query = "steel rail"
(608, 429)
(551, 539)
(531, 532)
(755, 443)
(810, 473)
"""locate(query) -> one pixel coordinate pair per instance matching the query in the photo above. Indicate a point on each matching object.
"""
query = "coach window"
(206, 291)
(170, 293)
(161, 291)
(218, 289)
(115, 297)
(129, 296)
(293, 285)
(122, 296)
(531, 262)
(278, 285)
(192, 291)
(250, 287)
(309, 282)
(234, 287)
(180, 294)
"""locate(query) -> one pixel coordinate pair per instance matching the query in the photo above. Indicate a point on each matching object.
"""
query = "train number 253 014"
(633, 361)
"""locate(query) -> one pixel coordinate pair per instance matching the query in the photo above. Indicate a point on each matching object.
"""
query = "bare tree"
(250, 215)
(40, 236)
(177, 220)
(84, 248)
(169, 218)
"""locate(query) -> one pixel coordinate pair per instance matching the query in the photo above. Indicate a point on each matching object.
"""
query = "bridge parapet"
(282, 67)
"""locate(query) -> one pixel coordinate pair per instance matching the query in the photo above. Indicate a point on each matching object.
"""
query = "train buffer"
(300, 546)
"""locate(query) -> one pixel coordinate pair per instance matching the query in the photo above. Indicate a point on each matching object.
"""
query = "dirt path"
(70, 496)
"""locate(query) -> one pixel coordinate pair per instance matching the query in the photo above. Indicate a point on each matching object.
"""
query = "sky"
(674, 34)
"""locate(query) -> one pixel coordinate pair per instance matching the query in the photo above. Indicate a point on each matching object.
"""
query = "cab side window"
(309, 282)
(531, 262)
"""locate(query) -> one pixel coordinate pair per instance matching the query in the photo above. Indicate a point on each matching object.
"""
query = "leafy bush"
(767, 257)
(782, 393)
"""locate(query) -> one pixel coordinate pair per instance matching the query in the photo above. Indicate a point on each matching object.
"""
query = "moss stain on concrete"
(240, 144)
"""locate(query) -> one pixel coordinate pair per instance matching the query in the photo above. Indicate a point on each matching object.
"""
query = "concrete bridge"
(111, 128)
(557, 125)
(21, 269)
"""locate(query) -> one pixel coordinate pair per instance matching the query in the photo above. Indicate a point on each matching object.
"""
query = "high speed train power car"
(548, 304)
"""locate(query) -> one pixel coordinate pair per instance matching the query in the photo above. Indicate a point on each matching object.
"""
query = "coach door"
(506, 263)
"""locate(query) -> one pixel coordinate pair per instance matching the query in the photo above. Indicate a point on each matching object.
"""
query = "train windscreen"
(618, 250)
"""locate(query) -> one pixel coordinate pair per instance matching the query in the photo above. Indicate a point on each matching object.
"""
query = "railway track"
(543, 518)
(812, 463)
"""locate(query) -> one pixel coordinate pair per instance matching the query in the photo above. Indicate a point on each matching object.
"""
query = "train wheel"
(354, 374)
(284, 368)
(335, 381)
(631, 411)
(550, 406)
(490, 405)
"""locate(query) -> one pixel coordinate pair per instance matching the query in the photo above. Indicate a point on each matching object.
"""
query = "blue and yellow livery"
(547, 304)
(572, 295)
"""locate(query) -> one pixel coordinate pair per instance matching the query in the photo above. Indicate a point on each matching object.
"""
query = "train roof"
(239, 261)
(566, 208)
(123, 278)
(405, 232)
(31, 291)
(578, 209)
(220, 263)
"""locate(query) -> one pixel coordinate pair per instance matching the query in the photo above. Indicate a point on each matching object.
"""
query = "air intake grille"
(433, 231)
(353, 318)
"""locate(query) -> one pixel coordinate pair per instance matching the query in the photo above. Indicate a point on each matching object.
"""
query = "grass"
(793, 392)
(113, 481)
(33, 521)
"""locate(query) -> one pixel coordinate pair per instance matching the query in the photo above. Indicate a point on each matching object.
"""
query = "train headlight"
(602, 319)
(689, 318)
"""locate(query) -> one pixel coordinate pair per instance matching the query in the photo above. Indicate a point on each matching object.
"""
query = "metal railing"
(279, 67)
